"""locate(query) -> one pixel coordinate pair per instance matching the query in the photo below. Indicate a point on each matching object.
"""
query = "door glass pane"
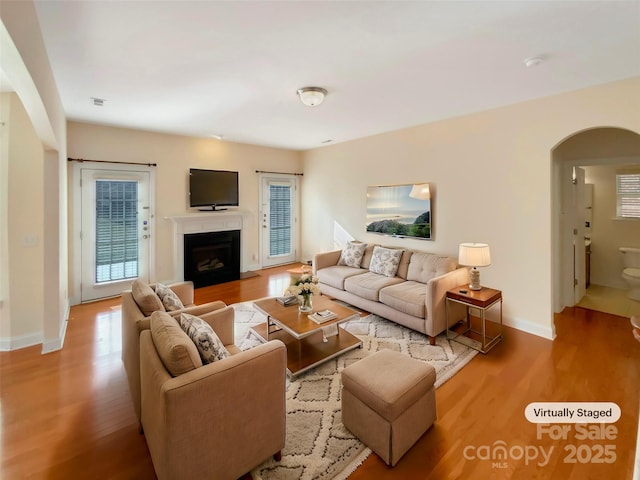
(280, 220)
(116, 230)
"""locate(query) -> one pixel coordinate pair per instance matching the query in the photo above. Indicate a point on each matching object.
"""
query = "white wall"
(25, 226)
(174, 155)
(26, 67)
(492, 178)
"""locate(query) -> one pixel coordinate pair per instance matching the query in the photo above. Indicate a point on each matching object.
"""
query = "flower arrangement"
(304, 287)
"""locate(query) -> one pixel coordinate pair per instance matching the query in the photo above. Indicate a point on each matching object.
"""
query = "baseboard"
(23, 341)
(544, 331)
(57, 343)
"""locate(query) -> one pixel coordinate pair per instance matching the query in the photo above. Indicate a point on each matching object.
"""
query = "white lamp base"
(474, 279)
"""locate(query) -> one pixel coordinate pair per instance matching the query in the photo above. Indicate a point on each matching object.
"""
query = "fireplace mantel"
(203, 222)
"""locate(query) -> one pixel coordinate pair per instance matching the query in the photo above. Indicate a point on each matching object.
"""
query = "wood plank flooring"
(68, 414)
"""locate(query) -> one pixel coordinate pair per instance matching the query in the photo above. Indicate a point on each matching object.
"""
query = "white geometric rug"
(317, 444)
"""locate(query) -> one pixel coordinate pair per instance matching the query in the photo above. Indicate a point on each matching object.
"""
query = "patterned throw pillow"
(352, 254)
(385, 261)
(207, 342)
(169, 298)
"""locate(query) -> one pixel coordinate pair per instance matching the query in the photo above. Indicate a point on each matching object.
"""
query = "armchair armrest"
(325, 259)
(184, 291)
(435, 300)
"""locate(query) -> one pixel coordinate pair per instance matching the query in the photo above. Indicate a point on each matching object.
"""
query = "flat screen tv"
(213, 189)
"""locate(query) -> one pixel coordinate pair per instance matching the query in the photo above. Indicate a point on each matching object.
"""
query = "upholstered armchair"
(137, 306)
(218, 420)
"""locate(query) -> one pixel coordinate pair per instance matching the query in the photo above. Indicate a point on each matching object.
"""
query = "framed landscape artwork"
(400, 210)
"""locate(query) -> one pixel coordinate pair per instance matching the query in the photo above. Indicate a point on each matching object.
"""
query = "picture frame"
(403, 211)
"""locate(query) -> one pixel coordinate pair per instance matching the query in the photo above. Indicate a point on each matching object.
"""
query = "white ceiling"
(232, 68)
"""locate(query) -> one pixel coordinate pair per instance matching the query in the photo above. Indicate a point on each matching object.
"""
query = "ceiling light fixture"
(312, 96)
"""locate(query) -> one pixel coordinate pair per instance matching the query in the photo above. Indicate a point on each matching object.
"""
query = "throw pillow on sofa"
(385, 261)
(168, 297)
(352, 254)
(207, 342)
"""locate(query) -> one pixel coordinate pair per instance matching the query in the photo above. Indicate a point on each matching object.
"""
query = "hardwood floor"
(68, 414)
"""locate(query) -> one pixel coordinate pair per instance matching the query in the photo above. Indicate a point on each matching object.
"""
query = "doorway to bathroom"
(588, 234)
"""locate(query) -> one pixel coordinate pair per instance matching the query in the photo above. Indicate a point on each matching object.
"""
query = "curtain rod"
(280, 173)
(107, 161)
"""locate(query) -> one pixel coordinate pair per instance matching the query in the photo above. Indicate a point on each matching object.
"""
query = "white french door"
(115, 232)
(278, 219)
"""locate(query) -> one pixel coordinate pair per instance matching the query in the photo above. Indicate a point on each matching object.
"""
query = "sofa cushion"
(146, 299)
(425, 266)
(403, 267)
(368, 285)
(368, 254)
(407, 297)
(175, 349)
(336, 275)
(385, 261)
(352, 254)
(207, 342)
(168, 297)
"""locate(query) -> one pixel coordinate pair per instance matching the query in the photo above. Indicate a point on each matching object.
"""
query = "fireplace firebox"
(212, 257)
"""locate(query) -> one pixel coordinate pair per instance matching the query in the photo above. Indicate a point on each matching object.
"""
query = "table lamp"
(474, 255)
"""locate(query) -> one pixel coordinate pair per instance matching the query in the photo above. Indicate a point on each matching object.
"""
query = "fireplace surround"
(195, 224)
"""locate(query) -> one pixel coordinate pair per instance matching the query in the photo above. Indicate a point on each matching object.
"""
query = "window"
(628, 195)
(280, 221)
(116, 230)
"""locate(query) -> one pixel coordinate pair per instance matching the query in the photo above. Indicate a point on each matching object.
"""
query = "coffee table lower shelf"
(310, 351)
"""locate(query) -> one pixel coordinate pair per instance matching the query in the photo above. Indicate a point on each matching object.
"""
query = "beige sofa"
(136, 313)
(219, 420)
(414, 296)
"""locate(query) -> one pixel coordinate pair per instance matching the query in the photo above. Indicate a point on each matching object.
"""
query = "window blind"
(116, 230)
(628, 195)
(280, 220)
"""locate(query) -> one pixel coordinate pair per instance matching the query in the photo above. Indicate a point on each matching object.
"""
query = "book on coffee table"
(288, 300)
(322, 316)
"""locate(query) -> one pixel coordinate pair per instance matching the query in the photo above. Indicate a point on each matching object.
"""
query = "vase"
(305, 302)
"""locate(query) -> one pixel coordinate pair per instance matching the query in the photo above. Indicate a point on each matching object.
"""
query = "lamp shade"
(420, 191)
(312, 96)
(474, 255)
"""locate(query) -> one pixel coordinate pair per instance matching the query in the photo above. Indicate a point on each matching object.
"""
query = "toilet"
(631, 272)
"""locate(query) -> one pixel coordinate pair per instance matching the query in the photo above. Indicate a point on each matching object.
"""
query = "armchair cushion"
(168, 297)
(175, 349)
(205, 339)
(146, 299)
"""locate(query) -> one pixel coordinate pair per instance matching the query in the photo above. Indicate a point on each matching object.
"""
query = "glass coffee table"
(308, 343)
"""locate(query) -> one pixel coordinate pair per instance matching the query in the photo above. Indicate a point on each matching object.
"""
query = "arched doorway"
(598, 154)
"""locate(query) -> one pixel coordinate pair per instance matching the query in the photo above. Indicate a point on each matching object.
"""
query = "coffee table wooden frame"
(307, 344)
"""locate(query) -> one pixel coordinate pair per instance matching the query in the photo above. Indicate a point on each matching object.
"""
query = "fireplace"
(212, 257)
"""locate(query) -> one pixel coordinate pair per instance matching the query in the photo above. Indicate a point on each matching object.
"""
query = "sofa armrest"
(436, 298)
(184, 291)
(213, 412)
(325, 259)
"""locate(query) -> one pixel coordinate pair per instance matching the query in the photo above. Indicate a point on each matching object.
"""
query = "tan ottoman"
(388, 402)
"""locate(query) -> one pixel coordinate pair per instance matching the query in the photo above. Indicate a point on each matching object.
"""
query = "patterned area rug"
(317, 445)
